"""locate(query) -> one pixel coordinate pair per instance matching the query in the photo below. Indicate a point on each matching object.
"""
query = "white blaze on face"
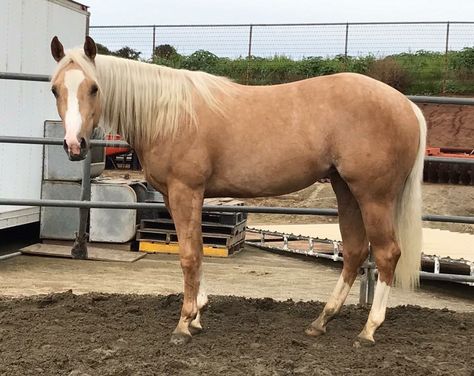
(73, 119)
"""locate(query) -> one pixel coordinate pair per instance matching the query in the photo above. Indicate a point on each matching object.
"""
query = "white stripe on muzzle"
(73, 120)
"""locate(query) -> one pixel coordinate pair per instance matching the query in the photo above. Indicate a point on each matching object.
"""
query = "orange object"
(111, 151)
(450, 152)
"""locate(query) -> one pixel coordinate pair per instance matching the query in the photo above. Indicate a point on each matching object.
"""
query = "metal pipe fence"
(413, 98)
(367, 285)
(79, 249)
(208, 208)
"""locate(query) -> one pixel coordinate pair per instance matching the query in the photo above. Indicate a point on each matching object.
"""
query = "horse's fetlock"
(190, 314)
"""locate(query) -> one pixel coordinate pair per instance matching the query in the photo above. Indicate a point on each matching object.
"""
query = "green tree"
(127, 53)
(201, 60)
(103, 50)
(165, 51)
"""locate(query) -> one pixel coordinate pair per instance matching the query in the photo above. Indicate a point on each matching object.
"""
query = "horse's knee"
(190, 263)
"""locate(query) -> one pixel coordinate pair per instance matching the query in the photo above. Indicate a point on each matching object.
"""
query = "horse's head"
(77, 98)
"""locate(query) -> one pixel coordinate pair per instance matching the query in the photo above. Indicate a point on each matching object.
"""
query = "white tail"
(408, 217)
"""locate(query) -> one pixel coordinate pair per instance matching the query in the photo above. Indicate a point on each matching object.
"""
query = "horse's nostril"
(65, 147)
(84, 144)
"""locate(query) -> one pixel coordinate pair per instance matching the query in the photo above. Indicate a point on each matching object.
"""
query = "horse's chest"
(156, 177)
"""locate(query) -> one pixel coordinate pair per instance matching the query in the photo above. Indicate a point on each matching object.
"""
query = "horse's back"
(276, 139)
(325, 114)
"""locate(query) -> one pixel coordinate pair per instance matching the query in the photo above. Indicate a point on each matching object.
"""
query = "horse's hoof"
(180, 339)
(195, 330)
(79, 255)
(363, 342)
(315, 332)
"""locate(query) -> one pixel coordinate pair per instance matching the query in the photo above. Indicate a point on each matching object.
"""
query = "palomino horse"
(198, 135)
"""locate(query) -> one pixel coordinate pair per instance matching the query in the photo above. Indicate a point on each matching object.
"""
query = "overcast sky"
(113, 12)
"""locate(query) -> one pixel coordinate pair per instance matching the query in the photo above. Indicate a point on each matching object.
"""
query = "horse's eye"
(94, 89)
(54, 91)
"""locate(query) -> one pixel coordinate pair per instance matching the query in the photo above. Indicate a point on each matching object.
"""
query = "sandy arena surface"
(449, 125)
(128, 333)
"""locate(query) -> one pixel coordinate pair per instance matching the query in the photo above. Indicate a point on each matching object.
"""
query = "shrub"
(360, 64)
(127, 53)
(463, 63)
(165, 51)
(103, 50)
(201, 60)
(421, 72)
(388, 70)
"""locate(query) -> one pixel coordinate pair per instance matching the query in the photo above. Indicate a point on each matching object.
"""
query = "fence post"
(154, 42)
(446, 51)
(367, 282)
(79, 249)
(249, 54)
(345, 46)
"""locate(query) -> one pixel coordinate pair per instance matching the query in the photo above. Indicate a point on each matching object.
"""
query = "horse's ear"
(90, 48)
(57, 49)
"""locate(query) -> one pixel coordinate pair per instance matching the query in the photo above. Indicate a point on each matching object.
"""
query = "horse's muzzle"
(84, 148)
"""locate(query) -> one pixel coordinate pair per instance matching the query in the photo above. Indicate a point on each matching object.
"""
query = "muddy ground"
(99, 334)
(449, 125)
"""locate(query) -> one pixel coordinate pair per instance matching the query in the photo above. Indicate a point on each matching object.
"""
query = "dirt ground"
(122, 323)
(449, 125)
(101, 334)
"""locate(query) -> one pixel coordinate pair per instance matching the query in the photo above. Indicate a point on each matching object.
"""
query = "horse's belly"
(265, 179)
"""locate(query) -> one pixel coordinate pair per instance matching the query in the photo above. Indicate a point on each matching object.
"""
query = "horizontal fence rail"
(112, 143)
(282, 24)
(207, 208)
(246, 209)
(450, 160)
(414, 98)
(446, 277)
(441, 100)
(24, 77)
(59, 141)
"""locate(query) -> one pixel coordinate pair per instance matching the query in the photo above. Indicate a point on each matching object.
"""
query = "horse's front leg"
(185, 204)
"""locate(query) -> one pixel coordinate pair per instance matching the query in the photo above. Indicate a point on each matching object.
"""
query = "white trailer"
(26, 30)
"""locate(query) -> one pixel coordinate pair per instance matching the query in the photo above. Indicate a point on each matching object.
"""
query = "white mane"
(141, 101)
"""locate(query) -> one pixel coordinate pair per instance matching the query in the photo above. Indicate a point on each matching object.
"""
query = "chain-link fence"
(417, 58)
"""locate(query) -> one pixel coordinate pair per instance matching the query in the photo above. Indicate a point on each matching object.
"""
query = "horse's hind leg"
(355, 252)
(379, 223)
